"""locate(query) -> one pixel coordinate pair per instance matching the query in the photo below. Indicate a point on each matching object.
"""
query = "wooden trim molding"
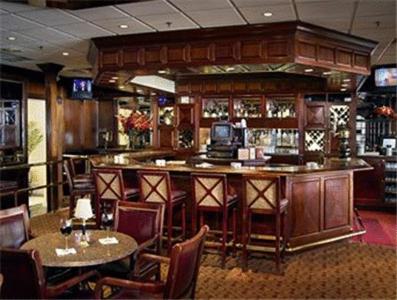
(285, 42)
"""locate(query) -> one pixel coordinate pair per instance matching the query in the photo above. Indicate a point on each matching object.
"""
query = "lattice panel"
(338, 115)
(314, 140)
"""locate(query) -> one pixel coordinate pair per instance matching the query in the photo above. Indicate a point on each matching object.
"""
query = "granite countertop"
(181, 166)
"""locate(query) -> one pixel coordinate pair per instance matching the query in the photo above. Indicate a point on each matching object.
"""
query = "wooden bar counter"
(320, 198)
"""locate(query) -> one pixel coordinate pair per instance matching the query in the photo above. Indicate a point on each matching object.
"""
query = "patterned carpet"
(342, 270)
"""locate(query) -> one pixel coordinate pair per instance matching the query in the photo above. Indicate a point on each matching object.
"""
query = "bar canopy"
(294, 47)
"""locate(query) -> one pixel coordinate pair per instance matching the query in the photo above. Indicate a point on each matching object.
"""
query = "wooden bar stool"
(110, 188)
(262, 195)
(77, 187)
(155, 186)
(210, 194)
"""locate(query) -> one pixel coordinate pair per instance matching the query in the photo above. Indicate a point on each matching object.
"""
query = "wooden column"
(55, 132)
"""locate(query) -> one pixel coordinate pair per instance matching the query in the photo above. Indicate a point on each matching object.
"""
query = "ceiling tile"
(178, 21)
(114, 25)
(48, 34)
(267, 3)
(50, 17)
(13, 22)
(376, 34)
(216, 17)
(280, 13)
(325, 9)
(194, 5)
(98, 13)
(21, 40)
(373, 8)
(84, 30)
(374, 22)
(147, 8)
(16, 7)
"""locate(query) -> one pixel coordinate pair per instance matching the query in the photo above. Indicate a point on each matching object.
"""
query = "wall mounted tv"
(81, 88)
(386, 77)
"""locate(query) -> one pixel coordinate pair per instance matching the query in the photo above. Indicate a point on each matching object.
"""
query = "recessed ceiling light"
(309, 70)
(112, 80)
(115, 78)
(122, 86)
(327, 73)
(344, 85)
(229, 69)
(346, 80)
(65, 53)
(123, 26)
(139, 91)
(268, 14)
(161, 71)
(343, 90)
(153, 93)
(11, 38)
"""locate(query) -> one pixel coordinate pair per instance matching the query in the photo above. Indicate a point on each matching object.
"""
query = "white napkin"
(108, 241)
(63, 252)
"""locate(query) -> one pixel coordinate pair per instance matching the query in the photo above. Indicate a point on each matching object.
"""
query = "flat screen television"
(221, 132)
(81, 88)
(386, 77)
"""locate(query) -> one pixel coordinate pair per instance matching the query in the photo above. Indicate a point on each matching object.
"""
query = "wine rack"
(314, 140)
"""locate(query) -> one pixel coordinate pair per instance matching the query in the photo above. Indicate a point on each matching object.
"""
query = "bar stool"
(262, 195)
(81, 177)
(77, 187)
(110, 188)
(155, 186)
(210, 194)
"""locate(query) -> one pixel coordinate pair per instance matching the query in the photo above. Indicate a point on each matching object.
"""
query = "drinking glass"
(107, 221)
(66, 230)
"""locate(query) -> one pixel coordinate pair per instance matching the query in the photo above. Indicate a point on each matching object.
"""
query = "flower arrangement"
(136, 124)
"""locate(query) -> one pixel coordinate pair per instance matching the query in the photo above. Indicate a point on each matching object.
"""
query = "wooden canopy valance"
(272, 43)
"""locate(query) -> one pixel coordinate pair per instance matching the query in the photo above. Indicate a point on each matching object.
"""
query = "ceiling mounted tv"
(82, 88)
(386, 77)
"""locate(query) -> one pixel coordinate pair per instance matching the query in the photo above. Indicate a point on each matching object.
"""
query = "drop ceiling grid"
(74, 28)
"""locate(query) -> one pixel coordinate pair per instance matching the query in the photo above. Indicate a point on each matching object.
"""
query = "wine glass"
(66, 230)
(107, 221)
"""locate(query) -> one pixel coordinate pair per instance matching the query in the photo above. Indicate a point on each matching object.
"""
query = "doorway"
(37, 153)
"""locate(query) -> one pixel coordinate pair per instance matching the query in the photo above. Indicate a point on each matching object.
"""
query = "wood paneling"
(306, 207)
(81, 124)
(166, 137)
(315, 115)
(131, 57)
(336, 202)
(363, 195)
(288, 42)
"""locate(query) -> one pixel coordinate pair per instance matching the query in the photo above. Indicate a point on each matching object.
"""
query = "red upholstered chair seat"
(183, 271)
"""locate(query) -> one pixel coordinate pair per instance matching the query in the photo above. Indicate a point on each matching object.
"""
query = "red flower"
(135, 121)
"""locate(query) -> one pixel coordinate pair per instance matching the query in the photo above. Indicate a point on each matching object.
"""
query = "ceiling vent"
(11, 55)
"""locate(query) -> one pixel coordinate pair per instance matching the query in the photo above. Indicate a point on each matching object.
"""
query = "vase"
(131, 140)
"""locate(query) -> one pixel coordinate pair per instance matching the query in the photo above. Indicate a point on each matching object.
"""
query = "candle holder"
(83, 211)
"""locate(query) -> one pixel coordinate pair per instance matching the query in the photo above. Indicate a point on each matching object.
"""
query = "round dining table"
(94, 254)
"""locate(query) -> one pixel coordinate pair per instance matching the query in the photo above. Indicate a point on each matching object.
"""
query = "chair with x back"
(110, 188)
(155, 187)
(211, 194)
(14, 226)
(262, 195)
